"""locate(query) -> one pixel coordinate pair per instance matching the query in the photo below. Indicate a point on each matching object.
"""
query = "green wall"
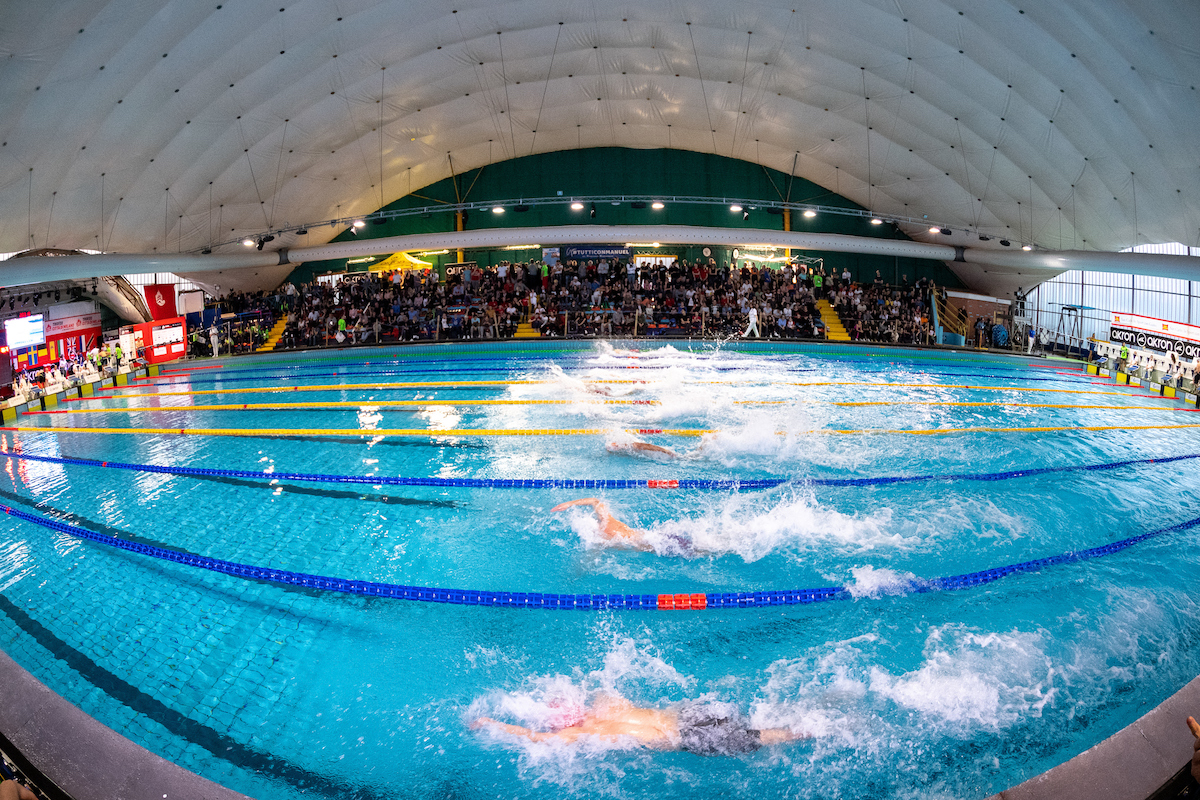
(617, 170)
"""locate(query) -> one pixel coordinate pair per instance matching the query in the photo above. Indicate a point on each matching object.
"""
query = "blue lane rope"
(167, 380)
(475, 597)
(725, 484)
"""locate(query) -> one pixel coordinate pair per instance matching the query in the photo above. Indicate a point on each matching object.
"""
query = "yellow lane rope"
(334, 404)
(482, 432)
(482, 384)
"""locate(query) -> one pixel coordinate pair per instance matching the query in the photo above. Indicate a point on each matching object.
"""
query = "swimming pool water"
(284, 692)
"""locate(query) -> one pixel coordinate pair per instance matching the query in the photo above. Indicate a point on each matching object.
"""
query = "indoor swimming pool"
(331, 564)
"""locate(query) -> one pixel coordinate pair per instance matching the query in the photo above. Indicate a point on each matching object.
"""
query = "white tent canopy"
(164, 126)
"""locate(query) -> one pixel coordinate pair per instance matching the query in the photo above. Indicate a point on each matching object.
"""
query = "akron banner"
(1150, 333)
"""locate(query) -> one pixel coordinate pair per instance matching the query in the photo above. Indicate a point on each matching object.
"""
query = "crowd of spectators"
(583, 298)
(876, 312)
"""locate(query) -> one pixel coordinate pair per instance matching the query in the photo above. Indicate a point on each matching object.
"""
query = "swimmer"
(618, 533)
(706, 729)
(639, 448)
(624, 390)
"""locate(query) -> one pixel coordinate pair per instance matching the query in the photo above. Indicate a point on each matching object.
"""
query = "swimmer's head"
(565, 714)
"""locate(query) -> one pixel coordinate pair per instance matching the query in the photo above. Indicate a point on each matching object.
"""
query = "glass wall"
(1099, 294)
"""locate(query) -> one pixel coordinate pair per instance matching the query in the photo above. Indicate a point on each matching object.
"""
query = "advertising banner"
(594, 251)
(160, 299)
(1150, 333)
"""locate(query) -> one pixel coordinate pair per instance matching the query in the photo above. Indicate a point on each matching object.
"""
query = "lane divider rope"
(723, 484)
(490, 384)
(334, 404)
(488, 432)
(690, 601)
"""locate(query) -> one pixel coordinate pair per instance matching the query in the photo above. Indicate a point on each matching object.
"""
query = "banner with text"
(1151, 333)
(594, 251)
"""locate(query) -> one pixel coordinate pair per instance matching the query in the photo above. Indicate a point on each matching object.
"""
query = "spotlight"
(808, 212)
(521, 208)
(206, 251)
(379, 221)
(656, 205)
(745, 216)
(637, 204)
(57, 295)
(302, 232)
(577, 206)
(248, 242)
(592, 213)
(877, 221)
(984, 238)
(946, 231)
(358, 223)
(93, 289)
(735, 207)
(935, 229)
(353, 230)
(260, 244)
(497, 209)
(1005, 242)
(1026, 248)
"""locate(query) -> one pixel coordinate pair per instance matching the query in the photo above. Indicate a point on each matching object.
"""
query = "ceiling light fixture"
(735, 207)
(808, 212)
(302, 232)
(984, 238)
(1026, 248)
(935, 229)
(946, 231)
(876, 221)
(1005, 243)
(248, 242)
(577, 206)
(358, 223)
(656, 204)
(497, 209)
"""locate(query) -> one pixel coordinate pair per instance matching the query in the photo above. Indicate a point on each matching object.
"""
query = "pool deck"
(84, 758)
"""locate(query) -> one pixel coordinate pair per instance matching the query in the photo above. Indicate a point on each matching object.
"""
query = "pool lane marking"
(688, 601)
(347, 404)
(591, 483)
(360, 404)
(487, 384)
(495, 432)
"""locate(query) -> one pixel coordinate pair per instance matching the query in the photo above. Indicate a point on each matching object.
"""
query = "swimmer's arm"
(566, 734)
(769, 736)
(593, 502)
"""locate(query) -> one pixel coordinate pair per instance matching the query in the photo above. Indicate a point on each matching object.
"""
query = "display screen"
(167, 334)
(24, 331)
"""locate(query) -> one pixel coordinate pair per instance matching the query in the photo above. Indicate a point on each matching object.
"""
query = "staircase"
(833, 325)
(274, 336)
(526, 331)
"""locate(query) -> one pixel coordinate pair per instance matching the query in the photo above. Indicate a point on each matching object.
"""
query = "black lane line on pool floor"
(59, 515)
(336, 494)
(217, 744)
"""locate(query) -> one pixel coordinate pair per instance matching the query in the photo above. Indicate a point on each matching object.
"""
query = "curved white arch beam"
(996, 272)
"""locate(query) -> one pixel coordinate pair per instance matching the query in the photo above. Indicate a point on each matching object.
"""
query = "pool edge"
(1134, 762)
(82, 756)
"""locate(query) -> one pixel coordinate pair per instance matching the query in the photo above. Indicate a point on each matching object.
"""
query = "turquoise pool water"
(285, 692)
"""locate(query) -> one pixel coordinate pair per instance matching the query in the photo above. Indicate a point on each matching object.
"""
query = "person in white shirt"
(753, 325)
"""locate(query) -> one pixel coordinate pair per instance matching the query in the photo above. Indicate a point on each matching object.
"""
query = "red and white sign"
(82, 323)
(160, 299)
(1160, 327)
